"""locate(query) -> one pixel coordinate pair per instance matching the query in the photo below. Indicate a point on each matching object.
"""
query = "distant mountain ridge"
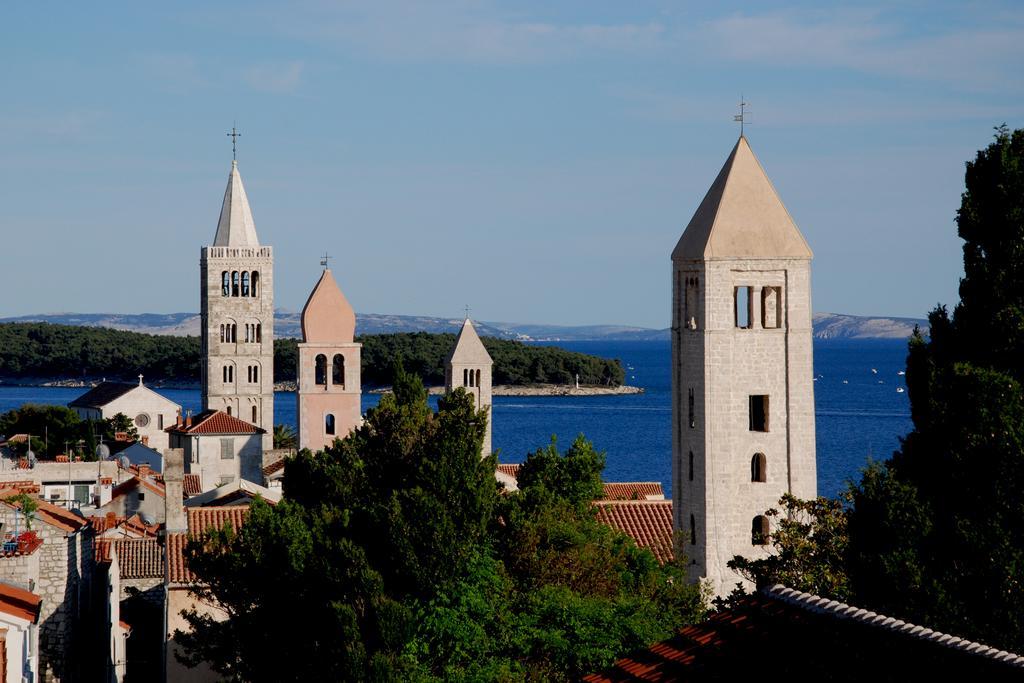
(288, 324)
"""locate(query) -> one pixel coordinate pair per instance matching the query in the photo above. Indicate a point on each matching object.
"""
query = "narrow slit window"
(254, 414)
(759, 413)
(690, 303)
(691, 465)
(742, 305)
(255, 282)
(693, 530)
(259, 333)
(758, 465)
(478, 378)
(693, 420)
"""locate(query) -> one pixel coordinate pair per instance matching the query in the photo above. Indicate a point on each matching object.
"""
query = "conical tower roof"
(468, 347)
(741, 216)
(327, 315)
(236, 227)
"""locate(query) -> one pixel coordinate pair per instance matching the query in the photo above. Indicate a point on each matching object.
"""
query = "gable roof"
(648, 522)
(468, 347)
(20, 603)
(201, 519)
(51, 514)
(133, 483)
(806, 637)
(633, 490)
(215, 422)
(741, 216)
(238, 492)
(102, 394)
(236, 227)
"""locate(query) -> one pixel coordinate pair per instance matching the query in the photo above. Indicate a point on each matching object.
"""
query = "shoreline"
(290, 386)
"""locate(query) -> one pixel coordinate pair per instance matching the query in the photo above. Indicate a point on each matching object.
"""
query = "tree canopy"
(403, 558)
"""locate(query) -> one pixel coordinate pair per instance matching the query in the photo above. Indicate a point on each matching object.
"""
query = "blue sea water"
(863, 418)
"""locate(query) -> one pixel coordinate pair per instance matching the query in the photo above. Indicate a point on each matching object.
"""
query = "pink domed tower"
(329, 388)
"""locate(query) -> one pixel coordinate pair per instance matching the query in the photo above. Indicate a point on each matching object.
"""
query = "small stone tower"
(742, 371)
(329, 390)
(237, 308)
(469, 365)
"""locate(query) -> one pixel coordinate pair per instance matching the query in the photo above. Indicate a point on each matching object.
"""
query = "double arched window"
(254, 374)
(228, 374)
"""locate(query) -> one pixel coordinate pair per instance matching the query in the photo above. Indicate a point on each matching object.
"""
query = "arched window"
(222, 333)
(693, 530)
(225, 374)
(254, 414)
(234, 333)
(249, 370)
(256, 373)
(231, 373)
(465, 378)
(758, 468)
(259, 333)
(234, 283)
(229, 410)
(247, 326)
(329, 424)
(245, 283)
(472, 377)
(691, 465)
(478, 378)
(759, 530)
(255, 282)
(225, 284)
(338, 370)
(321, 369)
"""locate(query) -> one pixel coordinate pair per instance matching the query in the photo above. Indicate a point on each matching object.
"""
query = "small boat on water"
(901, 373)
(900, 390)
(874, 371)
(846, 381)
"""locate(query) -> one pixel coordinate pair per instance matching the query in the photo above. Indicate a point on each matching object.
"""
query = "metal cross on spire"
(741, 118)
(323, 259)
(234, 135)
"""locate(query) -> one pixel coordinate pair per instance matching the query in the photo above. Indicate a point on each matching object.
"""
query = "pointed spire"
(236, 227)
(468, 347)
(741, 216)
(327, 315)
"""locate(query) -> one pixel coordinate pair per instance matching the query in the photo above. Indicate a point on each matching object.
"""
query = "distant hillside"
(287, 323)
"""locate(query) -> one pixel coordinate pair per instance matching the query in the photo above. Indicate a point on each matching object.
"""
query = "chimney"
(178, 420)
(174, 490)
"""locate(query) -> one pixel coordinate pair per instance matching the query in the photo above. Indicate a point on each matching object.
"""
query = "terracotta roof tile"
(633, 490)
(177, 570)
(130, 485)
(137, 558)
(273, 467)
(648, 522)
(808, 638)
(9, 488)
(511, 470)
(201, 519)
(216, 422)
(192, 484)
(56, 516)
(19, 602)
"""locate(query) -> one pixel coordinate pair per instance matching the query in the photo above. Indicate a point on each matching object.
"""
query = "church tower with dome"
(329, 386)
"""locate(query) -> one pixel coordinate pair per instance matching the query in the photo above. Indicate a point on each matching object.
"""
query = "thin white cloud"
(275, 77)
(972, 57)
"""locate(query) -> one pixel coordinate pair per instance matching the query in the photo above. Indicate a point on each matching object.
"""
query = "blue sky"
(535, 160)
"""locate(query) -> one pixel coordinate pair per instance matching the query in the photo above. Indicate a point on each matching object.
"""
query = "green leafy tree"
(935, 534)
(119, 423)
(59, 424)
(285, 436)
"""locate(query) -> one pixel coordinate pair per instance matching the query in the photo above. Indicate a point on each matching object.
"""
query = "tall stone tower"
(237, 308)
(469, 365)
(742, 373)
(329, 389)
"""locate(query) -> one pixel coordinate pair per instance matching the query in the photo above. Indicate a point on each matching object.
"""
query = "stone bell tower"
(742, 370)
(329, 391)
(469, 366)
(237, 309)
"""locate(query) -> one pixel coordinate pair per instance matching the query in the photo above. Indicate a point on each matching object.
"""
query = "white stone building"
(742, 370)
(237, 312)
(469, 366)
(220, 448)
(151, 412)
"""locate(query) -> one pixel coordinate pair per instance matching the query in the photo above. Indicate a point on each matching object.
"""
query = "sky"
(536, 161)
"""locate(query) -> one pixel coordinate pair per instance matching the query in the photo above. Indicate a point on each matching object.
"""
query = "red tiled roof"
(137, 558)
(133, 525)
(273, 467)
(56, 516)
(808, 638)
(216, 422)
(633, 490)
(511, 470)
(131, 484)
(648, 522)
(177, 570)
(8, 488)
(192, 485)
(19, 602)
(201, 519)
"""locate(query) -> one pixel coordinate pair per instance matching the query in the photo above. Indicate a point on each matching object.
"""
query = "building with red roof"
(219, 448)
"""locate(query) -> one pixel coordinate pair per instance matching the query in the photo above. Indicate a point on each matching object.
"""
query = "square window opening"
(759, 413)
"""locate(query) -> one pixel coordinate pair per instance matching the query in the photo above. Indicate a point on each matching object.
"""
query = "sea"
(860, 414)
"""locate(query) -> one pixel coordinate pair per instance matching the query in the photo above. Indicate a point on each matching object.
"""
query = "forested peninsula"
(34, 352)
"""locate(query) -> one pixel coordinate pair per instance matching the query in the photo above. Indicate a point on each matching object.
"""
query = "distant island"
(67, 355)
(831, 326)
